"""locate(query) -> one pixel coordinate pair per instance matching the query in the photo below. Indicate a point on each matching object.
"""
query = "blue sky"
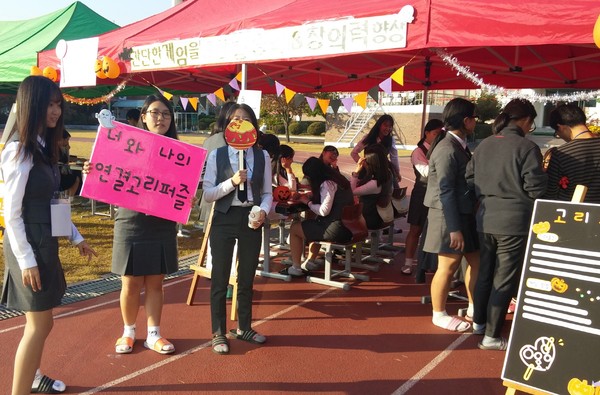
(121, 12)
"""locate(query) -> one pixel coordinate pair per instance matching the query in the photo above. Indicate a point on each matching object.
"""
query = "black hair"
(567, 114)
(172, 131)
(221, 122)
(515, 109)
(433, 124)
(33, 98)
(285, 151)
(455, 112)
(371, 137)
(317, 173)
(377, 166)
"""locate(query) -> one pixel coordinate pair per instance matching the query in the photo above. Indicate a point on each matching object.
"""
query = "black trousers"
(501, 261)
(226, 228)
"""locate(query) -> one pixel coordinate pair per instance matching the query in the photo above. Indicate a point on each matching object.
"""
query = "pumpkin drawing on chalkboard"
(579, 387)
(541, 227)
(559, 285)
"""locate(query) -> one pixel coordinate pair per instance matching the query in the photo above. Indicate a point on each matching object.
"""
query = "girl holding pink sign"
(145, 249)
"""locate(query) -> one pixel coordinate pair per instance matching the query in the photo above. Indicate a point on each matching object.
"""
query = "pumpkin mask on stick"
(240, 135)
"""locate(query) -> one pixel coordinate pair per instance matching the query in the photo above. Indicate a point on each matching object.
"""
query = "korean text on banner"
(145, 172)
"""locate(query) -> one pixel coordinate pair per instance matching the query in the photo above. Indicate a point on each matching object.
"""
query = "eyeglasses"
(533, 127)
(154, 114)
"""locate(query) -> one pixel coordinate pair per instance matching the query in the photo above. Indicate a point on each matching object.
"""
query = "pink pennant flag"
(184, 102)
(279, 88)
(386, 85)
(212, 98)
(234, 84)
(312, 102)
(347, 102)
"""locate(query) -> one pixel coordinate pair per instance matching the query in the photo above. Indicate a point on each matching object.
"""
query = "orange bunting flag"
(398, 76)
(220, 93)
(323, 103)
(289, 95)
(194, 103)
(167, 95)
(239, 76)
(361, 99)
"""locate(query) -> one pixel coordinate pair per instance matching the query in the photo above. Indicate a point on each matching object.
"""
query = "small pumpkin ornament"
(282, 193)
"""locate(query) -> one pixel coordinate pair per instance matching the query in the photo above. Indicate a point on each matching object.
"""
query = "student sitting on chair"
(372, 182)
(330, 191)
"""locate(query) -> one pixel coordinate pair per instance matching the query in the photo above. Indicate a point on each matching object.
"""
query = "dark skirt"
(437, 239)
(144, 245)
(319, 229)
(417, 211)
(45, 247)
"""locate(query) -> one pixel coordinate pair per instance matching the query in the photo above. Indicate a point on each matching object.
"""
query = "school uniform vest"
(225, 171)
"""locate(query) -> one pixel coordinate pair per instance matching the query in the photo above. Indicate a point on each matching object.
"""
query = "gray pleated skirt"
(437, 239)
(143, 244)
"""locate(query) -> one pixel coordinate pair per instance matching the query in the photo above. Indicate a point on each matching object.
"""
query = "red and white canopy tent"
(343, 46)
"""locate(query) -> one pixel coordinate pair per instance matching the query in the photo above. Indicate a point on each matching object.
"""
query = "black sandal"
(45, 386)
(219, 340)
(247, 336)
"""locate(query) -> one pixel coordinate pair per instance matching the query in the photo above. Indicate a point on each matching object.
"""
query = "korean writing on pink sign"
(145, 172)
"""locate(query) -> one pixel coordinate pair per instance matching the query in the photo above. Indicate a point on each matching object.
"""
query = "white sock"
(56, 386)
(408, 262)
(470, 310)
(129, 331)
(439, 314)
(478, 327)
(153, 335)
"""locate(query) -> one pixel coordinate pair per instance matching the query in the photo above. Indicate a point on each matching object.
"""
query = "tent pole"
(244, 76)
(424, 114)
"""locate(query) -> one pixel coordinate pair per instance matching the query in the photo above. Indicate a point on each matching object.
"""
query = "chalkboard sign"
(554, 343)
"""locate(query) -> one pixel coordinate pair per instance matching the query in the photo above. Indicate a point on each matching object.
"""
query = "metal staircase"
(355, 125)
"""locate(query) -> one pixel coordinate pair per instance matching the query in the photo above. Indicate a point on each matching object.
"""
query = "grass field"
(98, 230)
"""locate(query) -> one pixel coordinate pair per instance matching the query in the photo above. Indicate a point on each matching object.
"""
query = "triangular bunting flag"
(166, 95)
(374, 93)
(270, 81)
(324, 104)
(386, 85)
(239, 76)
(228, 90)
(312, 102)
(279, 88)
(298, 99)
(289, 95)
(335, 104)
(361, 99)
(202, 101)
(398, 76)
(194, 102)
(212, 98)
(184, 102)
(348, 101)
(234, 84)
(220, 93)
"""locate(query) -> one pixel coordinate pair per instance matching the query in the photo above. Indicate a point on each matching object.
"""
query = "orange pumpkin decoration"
(35, 71)
(282, 193)
(50, 73)
(98, 69)
(110, 68)
(240, 134)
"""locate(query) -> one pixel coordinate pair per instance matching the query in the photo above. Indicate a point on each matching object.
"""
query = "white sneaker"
(310, 265)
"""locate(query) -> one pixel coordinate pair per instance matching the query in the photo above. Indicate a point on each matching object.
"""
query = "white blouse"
(327, 190)
(15, 172)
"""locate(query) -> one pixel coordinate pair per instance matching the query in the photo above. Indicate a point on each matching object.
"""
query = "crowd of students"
(469, 214)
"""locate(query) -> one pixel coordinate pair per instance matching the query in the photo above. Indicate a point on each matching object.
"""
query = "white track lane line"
(431, 365)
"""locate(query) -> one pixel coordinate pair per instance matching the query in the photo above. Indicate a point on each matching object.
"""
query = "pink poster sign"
(145, 172)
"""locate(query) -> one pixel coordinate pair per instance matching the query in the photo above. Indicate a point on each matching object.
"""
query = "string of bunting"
(506, 94)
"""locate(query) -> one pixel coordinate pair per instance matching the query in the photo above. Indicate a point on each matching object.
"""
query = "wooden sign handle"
(579, 194)
(241, 162)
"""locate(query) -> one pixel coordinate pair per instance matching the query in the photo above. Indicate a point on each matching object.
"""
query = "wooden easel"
(200, 269)
(512, 388)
